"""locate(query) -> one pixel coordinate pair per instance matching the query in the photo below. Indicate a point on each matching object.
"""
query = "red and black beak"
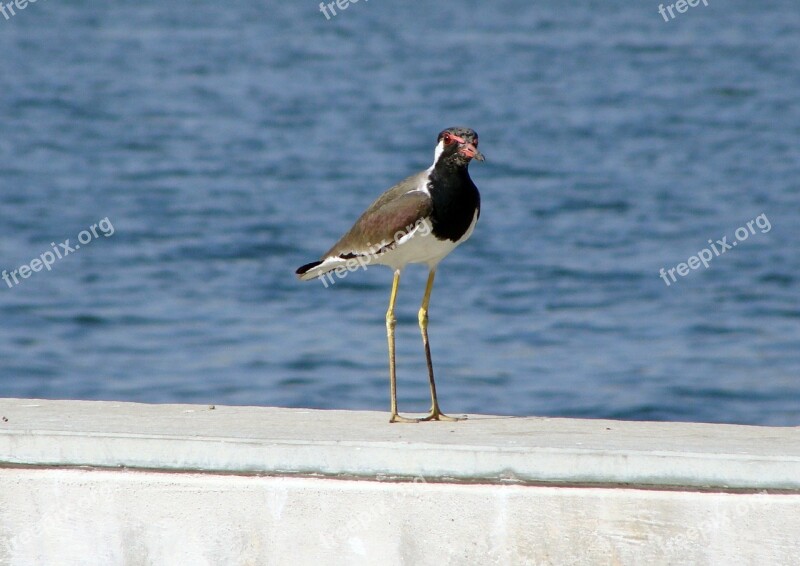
(468, 149)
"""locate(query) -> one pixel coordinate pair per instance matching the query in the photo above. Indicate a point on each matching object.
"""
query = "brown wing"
(390, 215)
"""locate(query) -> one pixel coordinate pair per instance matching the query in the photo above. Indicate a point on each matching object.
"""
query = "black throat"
(455, 199)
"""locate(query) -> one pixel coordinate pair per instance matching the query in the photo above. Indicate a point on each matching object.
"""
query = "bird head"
(458, 146)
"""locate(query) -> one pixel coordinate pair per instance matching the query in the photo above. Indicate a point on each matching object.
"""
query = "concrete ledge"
(482, 449)
(102, 484)
(71, 517)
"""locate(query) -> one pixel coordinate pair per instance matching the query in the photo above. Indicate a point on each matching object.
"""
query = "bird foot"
(437, 415)
(395, 418)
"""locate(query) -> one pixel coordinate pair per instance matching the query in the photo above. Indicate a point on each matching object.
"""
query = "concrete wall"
(114, 483)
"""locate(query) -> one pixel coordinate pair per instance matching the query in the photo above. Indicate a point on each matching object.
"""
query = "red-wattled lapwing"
(419, 220)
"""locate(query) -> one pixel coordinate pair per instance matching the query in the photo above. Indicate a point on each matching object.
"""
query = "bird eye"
(447, 139)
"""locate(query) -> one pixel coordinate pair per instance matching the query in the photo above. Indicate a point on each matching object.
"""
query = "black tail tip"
(305, 268)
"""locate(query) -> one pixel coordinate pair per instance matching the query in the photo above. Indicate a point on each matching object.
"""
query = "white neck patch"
(437, 153)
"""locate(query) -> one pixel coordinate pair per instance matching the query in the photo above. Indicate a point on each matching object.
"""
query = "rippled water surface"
(228, 143)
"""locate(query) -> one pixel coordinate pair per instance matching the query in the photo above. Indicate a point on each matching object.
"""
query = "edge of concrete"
(361, 444)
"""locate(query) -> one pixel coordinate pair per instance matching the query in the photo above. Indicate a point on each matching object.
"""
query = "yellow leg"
(391, 322)
(435, 414)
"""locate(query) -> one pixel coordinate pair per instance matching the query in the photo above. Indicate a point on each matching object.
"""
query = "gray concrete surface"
(106, 484)
(363, 444)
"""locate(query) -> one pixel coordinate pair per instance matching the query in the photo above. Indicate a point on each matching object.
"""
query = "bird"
(419, 220)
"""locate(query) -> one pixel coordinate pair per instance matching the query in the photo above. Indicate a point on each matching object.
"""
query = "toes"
(442, 417)
(399, 419)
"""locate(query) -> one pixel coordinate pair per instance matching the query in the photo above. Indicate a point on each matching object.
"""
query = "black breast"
(455, 201)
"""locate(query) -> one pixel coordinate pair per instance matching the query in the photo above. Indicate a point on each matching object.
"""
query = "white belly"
(421, 246)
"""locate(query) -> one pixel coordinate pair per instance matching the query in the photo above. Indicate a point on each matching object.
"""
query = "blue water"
(229, 142)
